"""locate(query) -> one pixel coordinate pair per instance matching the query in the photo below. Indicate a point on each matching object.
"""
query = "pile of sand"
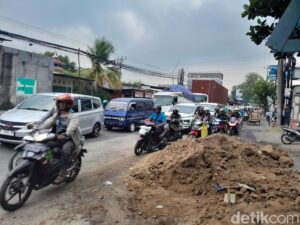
(177, 185)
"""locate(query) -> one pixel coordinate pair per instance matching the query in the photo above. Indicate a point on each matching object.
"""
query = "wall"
(15, 64)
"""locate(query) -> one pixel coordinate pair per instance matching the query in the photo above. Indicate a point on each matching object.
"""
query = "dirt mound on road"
(179, 184)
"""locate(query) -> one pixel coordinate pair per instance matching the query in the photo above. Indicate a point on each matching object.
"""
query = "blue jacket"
(158, 119)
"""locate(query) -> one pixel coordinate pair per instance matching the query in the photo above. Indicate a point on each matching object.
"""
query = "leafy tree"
(247, 87)
(262, 11)
(262, 90)
(103, 48)
(49, 54)
(68, 65)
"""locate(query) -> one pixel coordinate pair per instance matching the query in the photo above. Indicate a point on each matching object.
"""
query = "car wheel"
(131, 127)
(96, 130)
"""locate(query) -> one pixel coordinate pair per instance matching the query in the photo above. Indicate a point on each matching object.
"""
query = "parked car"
(187, 112)
(127, 113)
(39, 107)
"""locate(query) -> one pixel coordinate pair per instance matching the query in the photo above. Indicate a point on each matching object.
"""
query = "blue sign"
(272, 72)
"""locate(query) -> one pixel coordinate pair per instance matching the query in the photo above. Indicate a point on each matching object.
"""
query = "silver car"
(39, 107)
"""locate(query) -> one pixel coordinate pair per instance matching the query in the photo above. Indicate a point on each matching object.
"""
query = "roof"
(131, 99)
(188, 104)
(55, 94)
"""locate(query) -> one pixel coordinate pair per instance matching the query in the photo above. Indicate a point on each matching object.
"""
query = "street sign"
(25, 86)
(272, 72)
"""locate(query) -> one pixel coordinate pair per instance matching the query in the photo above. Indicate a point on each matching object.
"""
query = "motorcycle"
(233, 126)
(219, 126)
(198, 129)
(38, 168)
(147, 141)
(174, 130)
(290, 135)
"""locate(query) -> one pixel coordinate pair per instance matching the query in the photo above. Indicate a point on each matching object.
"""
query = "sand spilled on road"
(178, 185)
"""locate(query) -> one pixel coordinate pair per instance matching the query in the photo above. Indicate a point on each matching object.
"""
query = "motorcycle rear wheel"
(14, 186)
(138, 148)
(286, 139)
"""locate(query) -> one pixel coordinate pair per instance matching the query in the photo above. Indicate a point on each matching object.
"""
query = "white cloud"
(179, 5)
(78, 35)
(131, 25)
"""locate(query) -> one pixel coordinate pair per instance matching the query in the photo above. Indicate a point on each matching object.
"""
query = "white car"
(187, 112)
(39, 107)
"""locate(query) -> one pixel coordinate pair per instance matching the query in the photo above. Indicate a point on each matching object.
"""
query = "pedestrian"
(274, 117)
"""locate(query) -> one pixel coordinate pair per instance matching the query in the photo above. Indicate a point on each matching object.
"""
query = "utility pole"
(78, 63)
(280, 90)
(120, 61)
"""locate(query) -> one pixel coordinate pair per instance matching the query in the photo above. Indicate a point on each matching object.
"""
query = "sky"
(160, 35)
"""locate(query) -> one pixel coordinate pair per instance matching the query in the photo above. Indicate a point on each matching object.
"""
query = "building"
(23, 74)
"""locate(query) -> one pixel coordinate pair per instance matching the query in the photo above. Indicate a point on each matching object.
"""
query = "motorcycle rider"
(222, 115)
(66, 127)
(174, 118)
(198, 116)
(207, 118)
(159, 118)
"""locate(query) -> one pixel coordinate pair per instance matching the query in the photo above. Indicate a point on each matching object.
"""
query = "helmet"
(175, 111)
(104, 101)
(67, 99)
(206, 109)
(222, 110)
(157, 107)
(236, 109)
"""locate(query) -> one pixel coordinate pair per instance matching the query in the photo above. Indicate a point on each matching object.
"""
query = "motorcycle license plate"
(7, 132)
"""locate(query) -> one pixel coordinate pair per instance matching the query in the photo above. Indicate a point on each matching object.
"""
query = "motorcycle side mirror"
(29, 126)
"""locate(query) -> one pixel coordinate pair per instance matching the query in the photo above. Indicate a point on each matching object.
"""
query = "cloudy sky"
(161, 35)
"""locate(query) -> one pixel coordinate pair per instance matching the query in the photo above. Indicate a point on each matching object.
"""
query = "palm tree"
(103, 48)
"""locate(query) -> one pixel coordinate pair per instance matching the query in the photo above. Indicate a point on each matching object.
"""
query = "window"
(96, 103)
(75, 106)
(132, 107)
(140, 106)
(149, 105)
(86, 104)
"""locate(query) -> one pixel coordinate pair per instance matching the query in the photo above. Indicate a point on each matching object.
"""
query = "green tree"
(69, 65)
(102, 49)
(262, 90)
(49, 54)
(247, 87)
(262, 11)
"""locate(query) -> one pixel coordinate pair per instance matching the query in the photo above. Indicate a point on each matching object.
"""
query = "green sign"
(25, 86)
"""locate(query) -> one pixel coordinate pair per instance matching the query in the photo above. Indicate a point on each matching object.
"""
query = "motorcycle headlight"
(28, 154)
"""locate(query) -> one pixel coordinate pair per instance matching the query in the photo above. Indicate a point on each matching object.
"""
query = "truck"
(177, 94)
(215, 91)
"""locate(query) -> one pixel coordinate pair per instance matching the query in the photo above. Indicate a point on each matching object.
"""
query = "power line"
(68, 39)
(81, 52)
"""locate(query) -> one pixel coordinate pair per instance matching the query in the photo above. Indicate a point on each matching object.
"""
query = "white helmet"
(206, 109)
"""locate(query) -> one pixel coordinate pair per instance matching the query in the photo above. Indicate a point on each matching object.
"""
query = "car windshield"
(38, 103)
(187, 109)
(163, 100)
(200, 98)
(114, 105)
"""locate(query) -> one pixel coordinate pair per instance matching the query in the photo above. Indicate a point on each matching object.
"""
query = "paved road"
(109, 146)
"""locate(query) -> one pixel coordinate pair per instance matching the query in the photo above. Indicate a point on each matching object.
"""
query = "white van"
(39, 107)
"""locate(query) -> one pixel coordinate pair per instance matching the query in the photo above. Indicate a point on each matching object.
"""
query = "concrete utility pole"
(281, 62)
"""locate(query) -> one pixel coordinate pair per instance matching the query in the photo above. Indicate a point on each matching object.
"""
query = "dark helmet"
(200, 110)
(157, 107)
(67, 99)
(175, 111)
